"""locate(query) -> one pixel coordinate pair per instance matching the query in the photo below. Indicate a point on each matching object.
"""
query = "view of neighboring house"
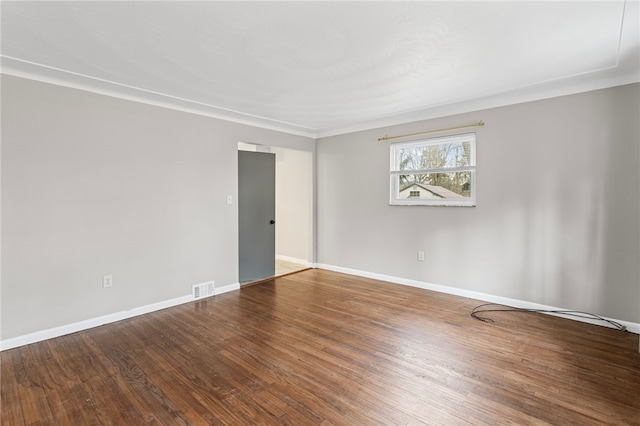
(424, 191)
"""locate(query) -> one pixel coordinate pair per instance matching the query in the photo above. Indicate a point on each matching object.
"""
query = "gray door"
(257, 211)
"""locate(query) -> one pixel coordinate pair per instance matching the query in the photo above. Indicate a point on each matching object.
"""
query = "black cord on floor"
(506, 308)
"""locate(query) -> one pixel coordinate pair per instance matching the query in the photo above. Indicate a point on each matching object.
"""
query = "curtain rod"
(386, 138)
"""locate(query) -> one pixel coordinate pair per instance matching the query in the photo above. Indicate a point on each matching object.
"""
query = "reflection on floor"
(284, 267)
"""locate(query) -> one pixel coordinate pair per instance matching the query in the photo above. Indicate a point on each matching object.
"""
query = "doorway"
(294, 207)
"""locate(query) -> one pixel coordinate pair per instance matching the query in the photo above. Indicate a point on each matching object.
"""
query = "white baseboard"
(294, 260)
(118, 316)
(226, 289)
(39, 336)
(631, 326)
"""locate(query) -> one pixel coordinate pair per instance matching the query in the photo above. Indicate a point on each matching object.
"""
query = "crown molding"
(46, 74)
(599, 79)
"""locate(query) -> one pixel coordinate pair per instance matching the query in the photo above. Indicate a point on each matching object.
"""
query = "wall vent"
(203, 290)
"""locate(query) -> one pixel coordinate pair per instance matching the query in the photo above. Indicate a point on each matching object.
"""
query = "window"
(434, 172)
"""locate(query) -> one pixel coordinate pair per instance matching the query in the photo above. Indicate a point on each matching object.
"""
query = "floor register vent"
(203, 290)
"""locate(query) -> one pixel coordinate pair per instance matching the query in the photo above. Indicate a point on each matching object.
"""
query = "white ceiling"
(324, 68)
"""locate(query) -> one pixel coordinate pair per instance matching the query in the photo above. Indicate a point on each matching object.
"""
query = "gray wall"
(557, 216)
(93, 185)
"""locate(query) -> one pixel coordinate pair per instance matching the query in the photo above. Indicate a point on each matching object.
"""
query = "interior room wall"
(93, 185)
(294, 204)
(556, 221)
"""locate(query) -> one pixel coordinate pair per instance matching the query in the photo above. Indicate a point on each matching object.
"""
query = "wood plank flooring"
(323, 348)
(285, 267)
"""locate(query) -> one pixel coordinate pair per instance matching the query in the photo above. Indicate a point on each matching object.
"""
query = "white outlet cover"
(107, 281)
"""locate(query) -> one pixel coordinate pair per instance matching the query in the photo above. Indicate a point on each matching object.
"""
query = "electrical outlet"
(421, 256)
(107, 281)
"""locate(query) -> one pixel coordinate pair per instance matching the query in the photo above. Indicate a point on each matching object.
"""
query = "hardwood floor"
(284, 267)
(318, 347)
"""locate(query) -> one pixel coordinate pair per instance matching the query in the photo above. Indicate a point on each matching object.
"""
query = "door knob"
(272, 221)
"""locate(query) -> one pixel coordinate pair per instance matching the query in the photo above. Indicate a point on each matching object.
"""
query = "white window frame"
(395, 172)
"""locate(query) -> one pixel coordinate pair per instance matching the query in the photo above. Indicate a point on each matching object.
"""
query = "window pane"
(456, 154)
(433, 186)
(434, 172)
